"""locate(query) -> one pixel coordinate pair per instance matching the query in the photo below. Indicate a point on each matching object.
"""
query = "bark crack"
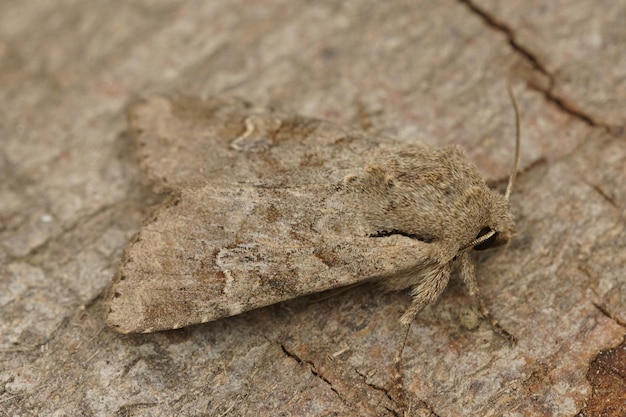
(315, 372)
(608, 314)
(380, 389)
(609, 199)
(598, 305)
(500, 26)
(547, 91)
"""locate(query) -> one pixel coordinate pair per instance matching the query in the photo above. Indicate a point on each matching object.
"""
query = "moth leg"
(468, 272)
(432, 284)
(469, 277)
(397, 390)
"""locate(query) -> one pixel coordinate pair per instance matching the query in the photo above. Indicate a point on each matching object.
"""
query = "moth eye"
(483, 232)
(489, 243)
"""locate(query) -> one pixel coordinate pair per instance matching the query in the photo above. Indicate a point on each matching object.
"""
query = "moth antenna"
(509, 187)
(479, 240)
(518, 134)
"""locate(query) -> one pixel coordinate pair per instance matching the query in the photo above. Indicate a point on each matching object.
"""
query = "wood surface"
(72, 196)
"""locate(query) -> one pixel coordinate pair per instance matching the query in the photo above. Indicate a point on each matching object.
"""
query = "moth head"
(498, 229)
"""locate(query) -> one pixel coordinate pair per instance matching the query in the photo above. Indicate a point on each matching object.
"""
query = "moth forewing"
(266, 207)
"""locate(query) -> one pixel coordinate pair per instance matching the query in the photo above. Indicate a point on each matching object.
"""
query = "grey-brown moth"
(265, 206)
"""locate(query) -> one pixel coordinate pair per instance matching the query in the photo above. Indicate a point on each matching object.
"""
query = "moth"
(262, 206)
